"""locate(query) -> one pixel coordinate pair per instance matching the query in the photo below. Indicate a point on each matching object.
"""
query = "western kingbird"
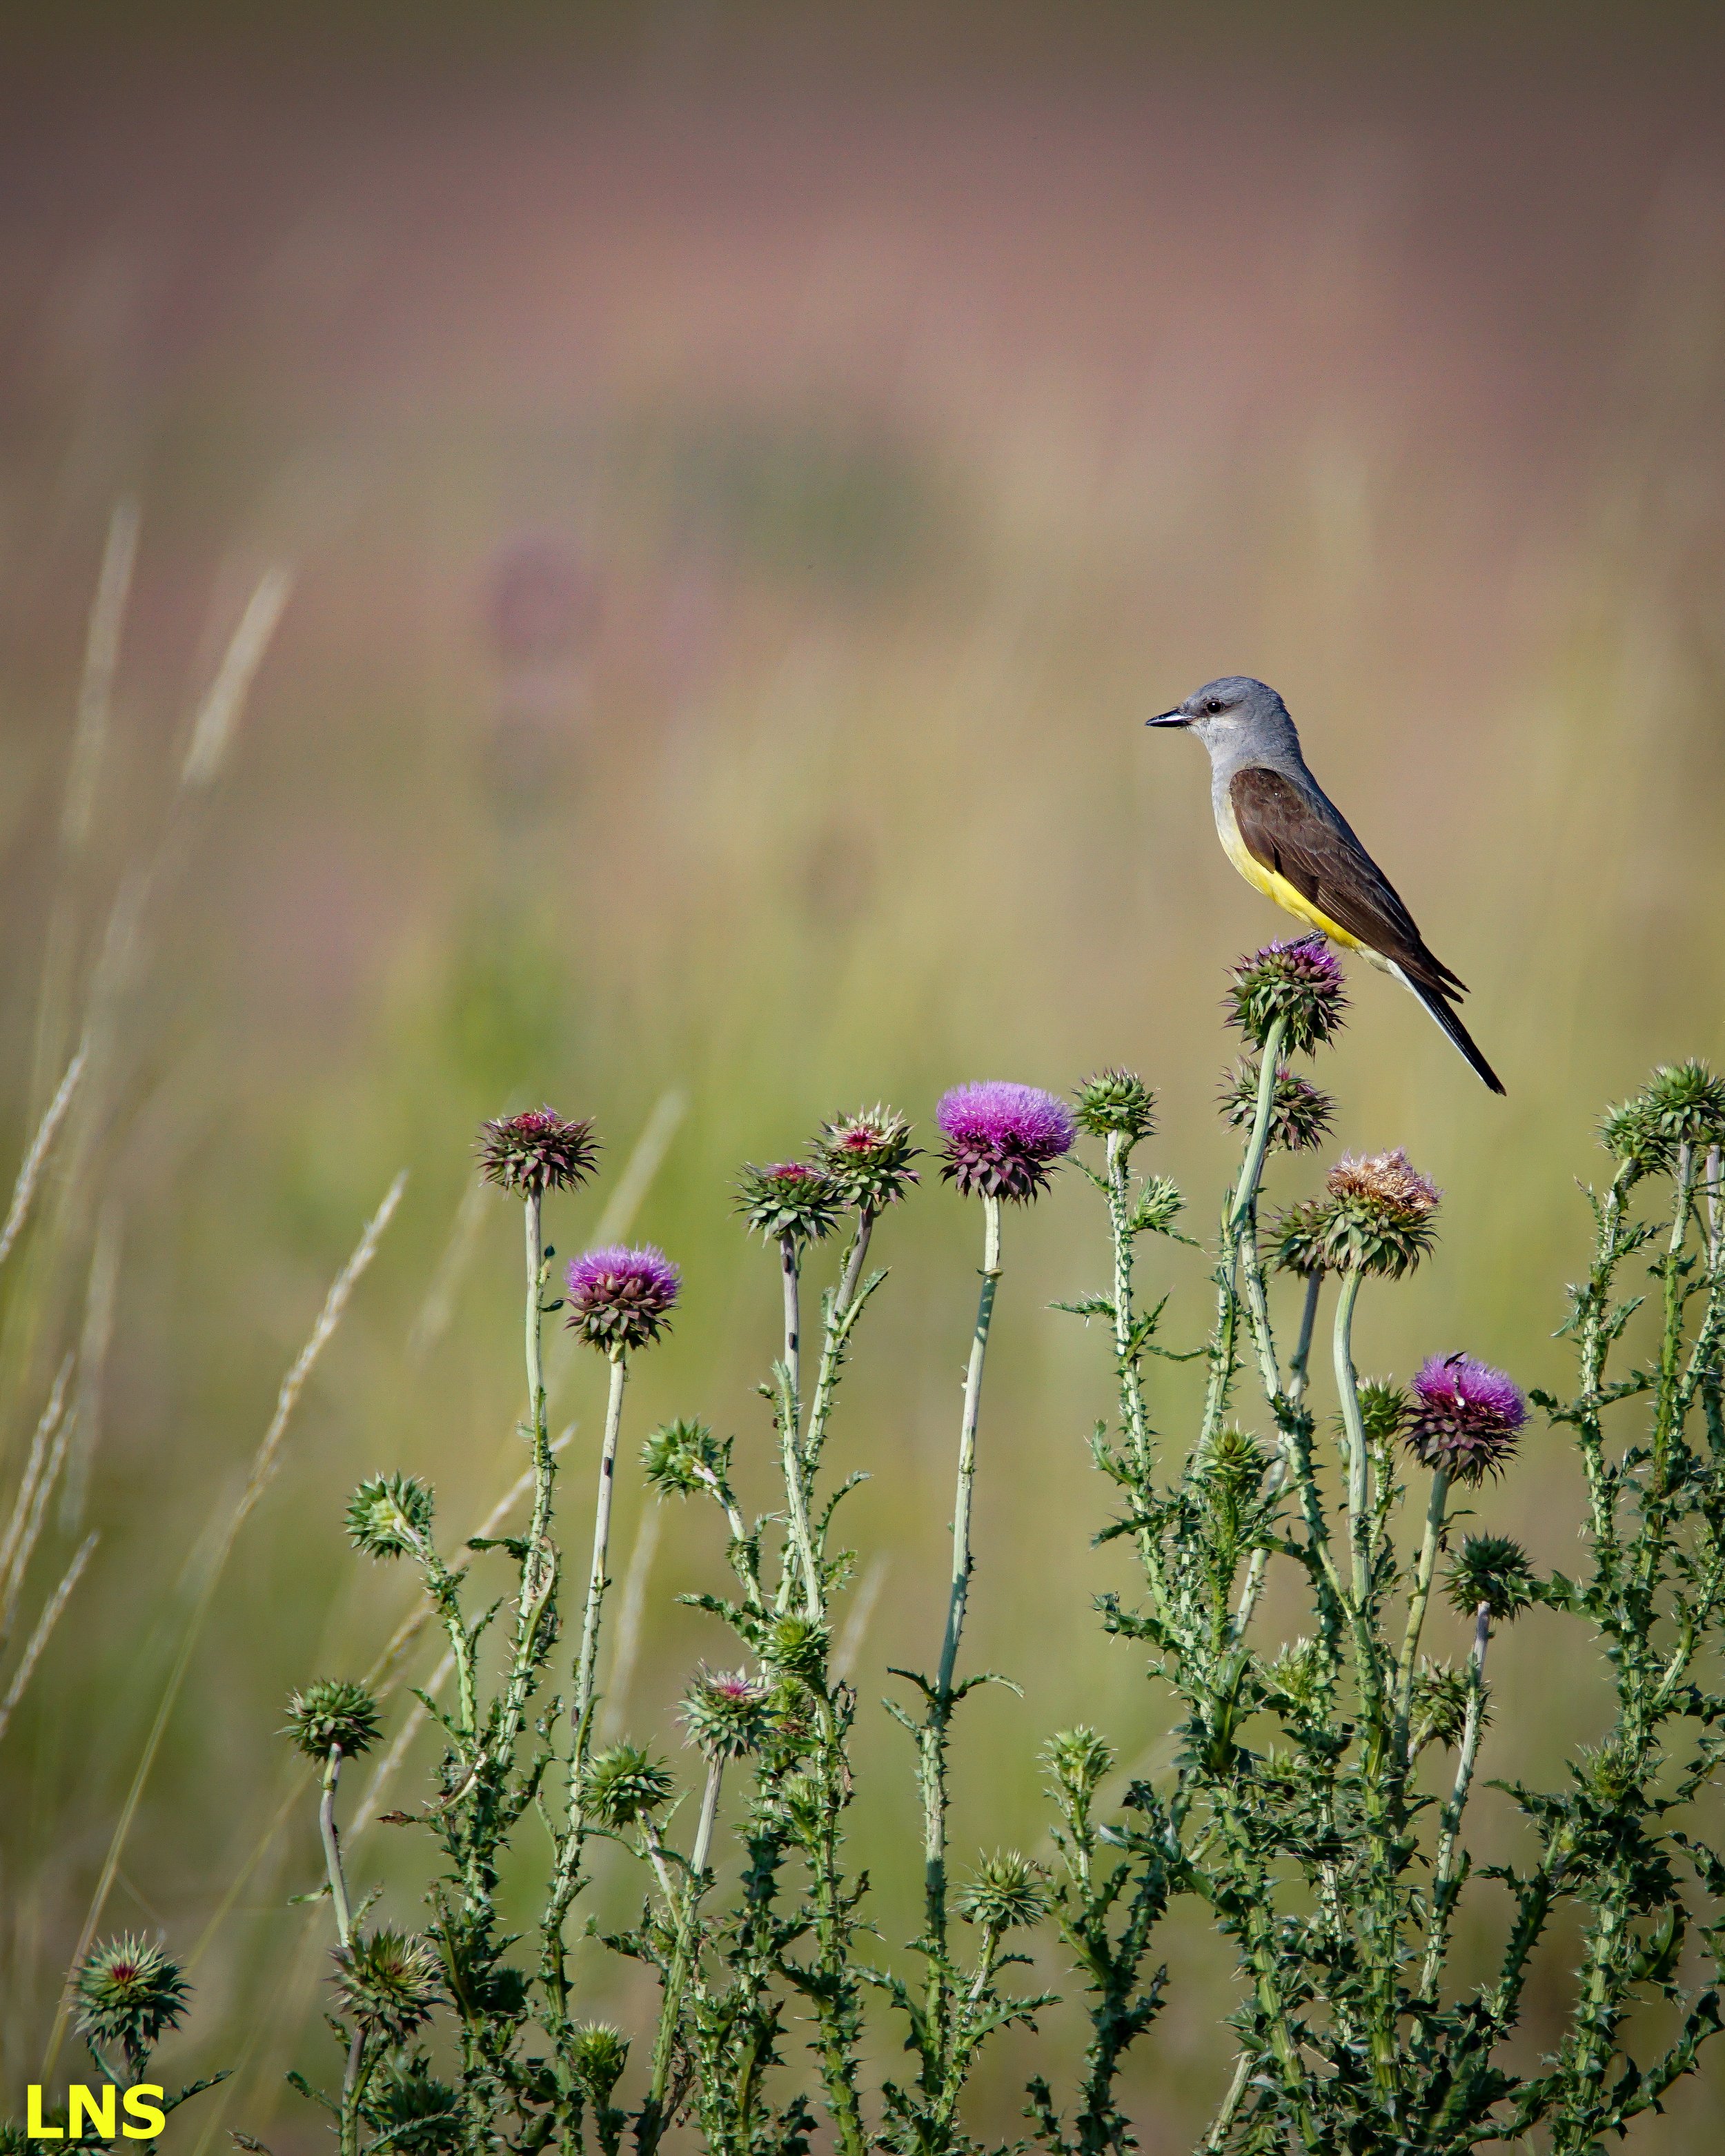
(1288, 840)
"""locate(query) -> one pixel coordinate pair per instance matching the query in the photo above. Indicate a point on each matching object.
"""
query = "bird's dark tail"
(1446, 1017)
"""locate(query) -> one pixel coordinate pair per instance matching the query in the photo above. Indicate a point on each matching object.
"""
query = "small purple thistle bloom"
(1464, 1417)
(1299, 982)
(1001, 1139)
(621, 1298)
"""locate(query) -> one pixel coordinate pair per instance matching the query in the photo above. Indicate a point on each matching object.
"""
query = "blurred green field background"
(745, 480)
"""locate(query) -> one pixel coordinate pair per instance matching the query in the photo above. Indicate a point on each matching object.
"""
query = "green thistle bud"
(387, 1984)
(331, 1712)
(1299, 1238)
(1682, 1104)
(1080, 1761)
(1438, 1712)
(795, 1646)
(1300, 1115)
(866, 1158)
(622, 1784)
(682, 1457)
(596, 2059)
(1298, 1674)
(1158, 1205)
(1494, 1570)
(1382, 1410)
(1116, 1104)
(1007, 1893)
(726, 1713)
(129, 1993)
(417, 2112)
(390, 1516)
(789, 1199)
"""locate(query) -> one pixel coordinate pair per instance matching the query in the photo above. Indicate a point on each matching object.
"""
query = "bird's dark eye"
(1212, 705)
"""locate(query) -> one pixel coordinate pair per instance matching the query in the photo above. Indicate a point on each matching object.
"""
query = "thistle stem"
(1353, 1424)
(933, 1765)
(1299, 1366)
(596, 1581)
(790, 1271)
(332, 1845)
(1417, 1602)
(855, 1260)
(1443, 1891)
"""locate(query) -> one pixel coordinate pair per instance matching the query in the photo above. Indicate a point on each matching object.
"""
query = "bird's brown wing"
(1332, 871)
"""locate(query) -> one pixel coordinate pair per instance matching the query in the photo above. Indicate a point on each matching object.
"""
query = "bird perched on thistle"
(1289, 841)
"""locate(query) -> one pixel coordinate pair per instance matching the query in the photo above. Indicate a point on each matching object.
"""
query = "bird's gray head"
(1233, 712)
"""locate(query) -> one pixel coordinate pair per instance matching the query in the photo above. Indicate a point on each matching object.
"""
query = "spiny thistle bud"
(1158, 1205)
(1298, 1673)
(1610, 1772)
(1464, 1417)
(1379, 1219)
(1116, 1104)
(682, 1457)
(788, 1199)
(129, 1993)
(726, 1713)
(866, 1158)
(1080, 1761)
(1300, 982)
(388, 1983)
(390, 1516)
(1299, 1113)
(596, 2059)
(1682, 1104)
(330, 1713)
(1493, 1570)
(537, 1150)
(415, 2111)
(1299, 1238)
(1007, 1894)
(621, 1299)
(1235, 1464)
(796, 1646)
(1003, 1140)
(1382, 1410)
(622, 1784)
(1439, 1706)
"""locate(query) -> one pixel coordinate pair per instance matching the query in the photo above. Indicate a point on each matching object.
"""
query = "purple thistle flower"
(1003, 1140)
(537, 1150)
(1464, 1417)
(621, 1298)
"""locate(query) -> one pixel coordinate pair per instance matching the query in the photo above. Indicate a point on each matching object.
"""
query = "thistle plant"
(1319, 1804)
(1296, 1813)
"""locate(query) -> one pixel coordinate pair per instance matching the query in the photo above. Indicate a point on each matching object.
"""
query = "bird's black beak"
(1169, 719)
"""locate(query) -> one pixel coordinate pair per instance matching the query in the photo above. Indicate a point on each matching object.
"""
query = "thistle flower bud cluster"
(537, 1150)
(1300, 1113)
(620, 1299)
(1493, 1572)
(1682, 1104)
(388, 1983)
(1440, 1705)
(726, 1713)
(390, 1516)
(866, 1158)
(330, 1713)
(622, 1785)
(789, 1200)
(1116, 1104)
(1003, 1140)
(1299, 982)
(131, 1993)
(1464, 1417)
(1080, 1760)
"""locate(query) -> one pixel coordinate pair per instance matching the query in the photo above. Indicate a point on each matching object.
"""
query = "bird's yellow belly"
(1278, 887)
